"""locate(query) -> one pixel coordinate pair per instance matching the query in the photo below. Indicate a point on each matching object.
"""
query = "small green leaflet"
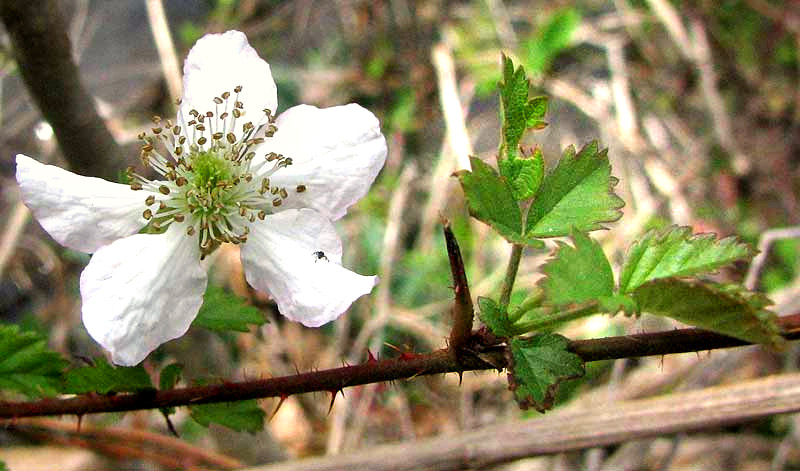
(242, 416)
(167, 379)
(525, 174)
(223, 312)
(102, 378)
(537, 366)
(517, 112)
(496, 319)
(26, 365)
(577, 193)
(490, 200)
(676, 252)
(578, 274)
(170, 375)
(550, 40)
(725, 309)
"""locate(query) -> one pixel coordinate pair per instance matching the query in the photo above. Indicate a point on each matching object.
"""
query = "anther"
(180, 181)
(226, 95)
(217, 136)
(277, 202)
(162, 205)
(300, 188)
(236, 113)
(218, 100)
(202, 140)
(157, 130)
(190, 231)
(179, 217)
(231, 137)
(150, 200)
(136, 186)
(284, 194)
(147, 214)
(163, 189)
(262, 215)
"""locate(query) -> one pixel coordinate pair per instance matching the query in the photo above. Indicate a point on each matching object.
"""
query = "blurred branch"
(574, 429)
(166, 49)
(135, 443)
(44, 57)
(408, 365)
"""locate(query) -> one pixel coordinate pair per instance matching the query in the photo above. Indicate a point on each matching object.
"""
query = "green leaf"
(725, 309)
(169, 377)
(550, 40)
(577, 193)
(223, 312)
(525, 174)
(26, 365)
(676, 252)
(578, 274)
(495, 318)
(538, 365)
(616, 303)
(242, 416)
(490, 199)
(102, 378)
(517, 112)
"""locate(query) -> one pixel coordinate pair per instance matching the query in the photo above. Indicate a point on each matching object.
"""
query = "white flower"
(230, 173)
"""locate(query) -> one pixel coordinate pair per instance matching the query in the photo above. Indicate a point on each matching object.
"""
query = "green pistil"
(210, 169)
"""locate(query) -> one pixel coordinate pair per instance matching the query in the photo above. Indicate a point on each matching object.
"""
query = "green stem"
(533, 301)
(543, 323)
(511, 275)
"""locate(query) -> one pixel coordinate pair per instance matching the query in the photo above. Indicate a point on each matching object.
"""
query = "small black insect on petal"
(319, 255)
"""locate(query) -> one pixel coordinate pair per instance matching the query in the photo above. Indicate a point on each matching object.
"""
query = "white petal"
(142, 291)
(220, 62)
(336, 153)
(82, 213)
(279, 258)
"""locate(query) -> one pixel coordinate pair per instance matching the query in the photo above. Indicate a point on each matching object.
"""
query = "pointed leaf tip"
(675, 251)
(577, 193)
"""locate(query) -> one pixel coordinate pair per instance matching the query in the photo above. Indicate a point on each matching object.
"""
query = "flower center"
(212, 186)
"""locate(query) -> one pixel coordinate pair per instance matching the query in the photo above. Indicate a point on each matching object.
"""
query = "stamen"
(213, 190)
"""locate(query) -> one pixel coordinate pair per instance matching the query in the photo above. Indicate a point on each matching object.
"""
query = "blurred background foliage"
(698, 102)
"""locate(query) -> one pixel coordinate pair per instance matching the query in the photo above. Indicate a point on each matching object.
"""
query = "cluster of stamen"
(210, 180)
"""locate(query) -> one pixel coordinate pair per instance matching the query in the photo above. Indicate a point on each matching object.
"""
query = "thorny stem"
(511, 275)
(462, 309)
(406, 367)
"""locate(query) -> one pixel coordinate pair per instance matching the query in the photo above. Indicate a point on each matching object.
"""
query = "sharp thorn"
(275, 412)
